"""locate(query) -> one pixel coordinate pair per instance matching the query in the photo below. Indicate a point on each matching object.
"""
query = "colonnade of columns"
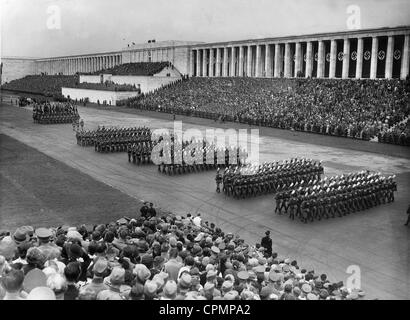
(360, 57)
(72, 65)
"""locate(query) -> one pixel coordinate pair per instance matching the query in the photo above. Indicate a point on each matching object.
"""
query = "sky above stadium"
(45, 28)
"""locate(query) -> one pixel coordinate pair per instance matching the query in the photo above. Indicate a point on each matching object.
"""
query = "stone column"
(249, 62)
(321, 60)
(258, 65)
(333, 59)
(287, 61)
(388, 71)
(268, 61)
(346, 59)
(309, 59)
(276, 74)
(225, 63)
(240, 67)
(373, 63)
(198, 63)
(298, 56)
(192, 63)
(211, 63)
(232, 69)
(359, 59)
(204, 61)
(404, 70)
(218, 62)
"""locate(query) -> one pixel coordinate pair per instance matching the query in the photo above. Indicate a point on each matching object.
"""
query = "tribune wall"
(16, 68)
(94, 95)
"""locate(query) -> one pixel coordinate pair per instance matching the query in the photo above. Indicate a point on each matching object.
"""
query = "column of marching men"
(196, 155)
(252, 180)
(55, 112)
(113, 139)
(336, 196)
(299, 189)
(301, 193)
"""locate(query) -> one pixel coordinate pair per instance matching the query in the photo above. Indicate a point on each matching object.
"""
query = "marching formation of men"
(113, 139)
(140, 152)
(196, 156)
(55, 112)
(336, 196)
(251, 180)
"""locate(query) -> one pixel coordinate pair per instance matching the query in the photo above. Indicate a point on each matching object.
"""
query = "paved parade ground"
(375, 240)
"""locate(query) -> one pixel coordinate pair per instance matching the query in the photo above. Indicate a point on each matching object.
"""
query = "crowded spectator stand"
(357, 109)
(154, 256)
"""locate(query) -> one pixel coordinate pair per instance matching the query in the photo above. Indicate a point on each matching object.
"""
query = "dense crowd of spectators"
(47, 85)
(351, 108)
(136, 69)
(399, 134)
(107, 86)
(154, 256)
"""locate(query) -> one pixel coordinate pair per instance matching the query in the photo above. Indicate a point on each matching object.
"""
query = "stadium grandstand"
(135, 69)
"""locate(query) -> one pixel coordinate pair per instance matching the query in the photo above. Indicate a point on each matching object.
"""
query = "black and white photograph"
(228, 151)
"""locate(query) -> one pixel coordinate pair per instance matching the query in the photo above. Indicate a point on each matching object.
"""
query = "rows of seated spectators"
(352, 108)
(136, 69)
(42, 84)
(399, 134)
(107, 86)
(156, 256)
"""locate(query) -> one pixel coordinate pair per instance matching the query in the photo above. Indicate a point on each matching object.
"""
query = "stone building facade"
(373, 54)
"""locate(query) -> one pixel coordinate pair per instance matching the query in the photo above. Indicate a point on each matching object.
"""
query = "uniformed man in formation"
(253, 180)
(140, 152)
(336, 196)
(218, 179)
(113, 139)
(181, 156)
(55, 112)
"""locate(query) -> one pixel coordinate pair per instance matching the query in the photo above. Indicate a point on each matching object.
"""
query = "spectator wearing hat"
(142, 273)
(8, 248)
(121, 242)
(184, 285)
(100, 269)
(189, 263)
(172, 266)
(21, 235)
(12, 282)
(22, 249)
(45, 245)
(137, 292)
(58, 284)
(195, 280)
(73, 252)
(169, 291)
(115, 280)
(35, 259)
(72, 273)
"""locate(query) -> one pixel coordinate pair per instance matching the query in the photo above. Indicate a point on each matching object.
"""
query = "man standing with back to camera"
(267, 243)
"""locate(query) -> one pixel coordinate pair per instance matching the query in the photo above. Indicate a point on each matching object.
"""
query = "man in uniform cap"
(49, 249)
(100, 269)
(115, 280)
(267, 243)
(169, 291)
